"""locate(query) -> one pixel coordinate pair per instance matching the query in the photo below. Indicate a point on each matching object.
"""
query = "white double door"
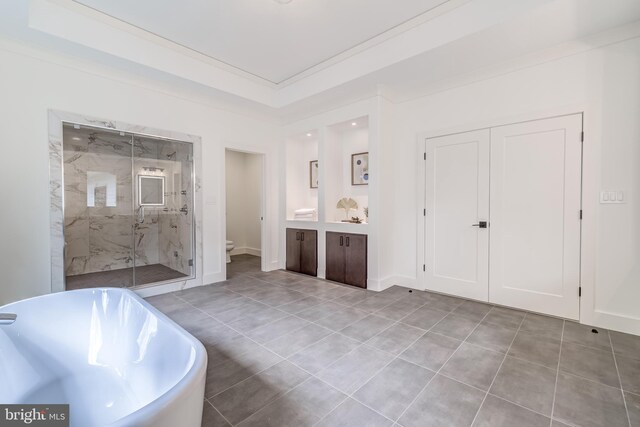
(502, 217)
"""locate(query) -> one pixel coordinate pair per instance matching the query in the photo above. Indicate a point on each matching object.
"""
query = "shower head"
(172, 155)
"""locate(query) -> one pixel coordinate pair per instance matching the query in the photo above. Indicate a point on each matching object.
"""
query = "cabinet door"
(355, 260)
(309, 252)
(293, 249)
(335, 257)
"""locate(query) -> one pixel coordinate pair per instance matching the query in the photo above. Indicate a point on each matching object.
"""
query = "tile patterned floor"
(289, 350)
(123, 277)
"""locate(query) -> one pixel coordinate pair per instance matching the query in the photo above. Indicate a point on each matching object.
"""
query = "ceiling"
(266, 38)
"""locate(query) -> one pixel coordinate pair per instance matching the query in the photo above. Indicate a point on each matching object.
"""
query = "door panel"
(535, 220)
(335, 257)
(309, 252)
(355, 260)
(293, 249)
(457, 197)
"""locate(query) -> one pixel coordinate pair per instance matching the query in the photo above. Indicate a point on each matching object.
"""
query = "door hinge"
(424, 267)
(579, 291)
(425, 156)
(424, 212)
(582, 136)
(580, 213)
(190, 263)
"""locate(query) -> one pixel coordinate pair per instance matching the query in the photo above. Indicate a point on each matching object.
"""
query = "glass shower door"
(98, 200)
(163, 210)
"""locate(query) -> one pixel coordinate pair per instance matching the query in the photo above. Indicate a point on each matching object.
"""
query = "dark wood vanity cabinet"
(302, 251)
(347, 258)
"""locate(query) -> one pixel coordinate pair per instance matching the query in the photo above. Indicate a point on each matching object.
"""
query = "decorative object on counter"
(347, 204)
(313, 174)
(306, 214)
(355, 220)
(360, 169)
(366, 213)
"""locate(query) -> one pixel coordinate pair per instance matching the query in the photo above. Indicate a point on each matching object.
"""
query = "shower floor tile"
(123, 277)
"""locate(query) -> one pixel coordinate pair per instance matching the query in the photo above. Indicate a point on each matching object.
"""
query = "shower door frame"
(56, 186)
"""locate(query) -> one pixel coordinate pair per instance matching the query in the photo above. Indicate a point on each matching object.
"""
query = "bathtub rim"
(196, 373)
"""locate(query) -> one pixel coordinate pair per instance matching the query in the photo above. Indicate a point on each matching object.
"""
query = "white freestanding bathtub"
(115, 359)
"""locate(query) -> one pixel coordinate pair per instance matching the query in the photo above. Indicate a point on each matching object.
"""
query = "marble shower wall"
(99, 201)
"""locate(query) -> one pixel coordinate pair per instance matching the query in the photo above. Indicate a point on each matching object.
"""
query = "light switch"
(612, 196)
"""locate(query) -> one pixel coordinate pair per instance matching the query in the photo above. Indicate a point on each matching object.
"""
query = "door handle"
(481, 224)
(347, 240)
(341, 241)
(302, 236)
(297, 236)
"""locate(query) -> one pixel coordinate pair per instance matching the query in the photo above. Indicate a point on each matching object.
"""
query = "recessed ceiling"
(266, 38)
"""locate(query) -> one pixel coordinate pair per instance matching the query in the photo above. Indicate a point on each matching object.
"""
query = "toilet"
(230, 246)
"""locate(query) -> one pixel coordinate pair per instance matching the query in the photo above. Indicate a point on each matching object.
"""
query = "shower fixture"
(172, 155)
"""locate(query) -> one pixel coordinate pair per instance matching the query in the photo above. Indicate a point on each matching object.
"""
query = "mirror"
(150, 190)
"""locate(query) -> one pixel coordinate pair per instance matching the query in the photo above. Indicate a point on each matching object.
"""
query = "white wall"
(243, 201)
(605, 84)
(33, 81)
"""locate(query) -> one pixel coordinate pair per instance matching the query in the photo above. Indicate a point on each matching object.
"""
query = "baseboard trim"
(246, 250)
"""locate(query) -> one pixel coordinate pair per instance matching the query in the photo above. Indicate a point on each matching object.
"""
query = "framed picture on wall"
(360, 169)
(313, 174)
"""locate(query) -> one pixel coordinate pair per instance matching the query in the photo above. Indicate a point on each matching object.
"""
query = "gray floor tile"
(233, 348)
(629, 373)
(233, 371)
(211, 417)
(455, 326)
(496, 412)
(587, 403)
(493, 337)
(591, 363)
(351, 413)
(431, 351)
(300, 305)
(350, 372)
(576, 333)
(424, 317)
(625, 344)
(343, 318)
(526, 384)
(276, 329)
(505, 317)
(399, 309)
(394, 388)
(245, 309)
(442, 302)
(542, 325)
(398, 291)
(375, 303)
(285, 296)
(323, 353)
(473, 310)
(536, 348)
(443, 403)
(320, 311)
(257, 319)
(366, 328)
(354, 298)
(261, 389)
(303, 406)
(396, 338)
(295, 341)
(473, 365)
(633, 406)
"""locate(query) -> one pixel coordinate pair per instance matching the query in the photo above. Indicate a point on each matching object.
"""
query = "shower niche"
(128, 206)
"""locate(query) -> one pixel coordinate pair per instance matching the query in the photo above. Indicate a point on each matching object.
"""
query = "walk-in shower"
(128, 208)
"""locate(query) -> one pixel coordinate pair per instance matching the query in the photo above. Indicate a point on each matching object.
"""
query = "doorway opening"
(244, 178)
